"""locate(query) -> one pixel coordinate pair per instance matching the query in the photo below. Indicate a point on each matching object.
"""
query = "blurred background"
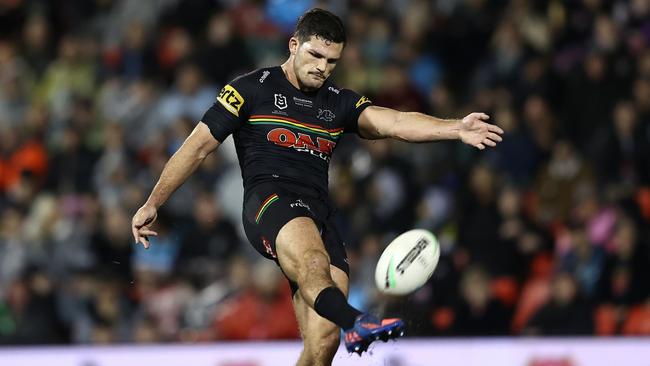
(547, 234)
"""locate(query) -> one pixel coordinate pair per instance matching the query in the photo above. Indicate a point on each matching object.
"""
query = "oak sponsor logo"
(362, 101)
(230, 99)
(323, 148)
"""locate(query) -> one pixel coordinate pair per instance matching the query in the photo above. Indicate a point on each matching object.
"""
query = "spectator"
(626, 267)
(71, 166)
(189, 98)
(263, 311)
(72, 74)
(558, 182)
(20, 158)
(565, 313)
(583, 260)
(479, 314)
(34, 308)
(623, 159)
(211, 236)
(135, 58)
(37, 44)
(224, 48)
(479, 218)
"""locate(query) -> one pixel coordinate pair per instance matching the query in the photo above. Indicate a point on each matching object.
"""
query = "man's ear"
(293, 45)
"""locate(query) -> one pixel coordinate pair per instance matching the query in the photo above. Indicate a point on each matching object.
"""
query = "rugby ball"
(407, 263)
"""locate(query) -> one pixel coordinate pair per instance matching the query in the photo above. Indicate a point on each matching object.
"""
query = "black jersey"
(280, 132)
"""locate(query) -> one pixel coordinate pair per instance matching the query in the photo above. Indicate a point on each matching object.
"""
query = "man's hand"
(476, 132)
(140, 225)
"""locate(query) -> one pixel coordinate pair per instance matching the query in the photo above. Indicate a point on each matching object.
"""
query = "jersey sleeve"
(354, 104)
(231, 109)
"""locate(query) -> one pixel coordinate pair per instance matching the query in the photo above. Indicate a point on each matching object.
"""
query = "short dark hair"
(320, 23)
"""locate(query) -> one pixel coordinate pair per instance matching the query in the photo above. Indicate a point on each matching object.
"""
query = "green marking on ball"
(391, 274)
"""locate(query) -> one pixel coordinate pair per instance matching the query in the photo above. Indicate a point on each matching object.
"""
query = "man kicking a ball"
(286, 122)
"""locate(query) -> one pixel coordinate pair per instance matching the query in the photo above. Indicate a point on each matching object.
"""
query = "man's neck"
(290, 74)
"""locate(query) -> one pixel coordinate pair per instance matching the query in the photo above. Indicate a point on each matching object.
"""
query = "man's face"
(314, 60)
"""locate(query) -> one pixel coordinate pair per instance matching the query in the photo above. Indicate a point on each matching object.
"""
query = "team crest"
(325, 115)
(280, 101)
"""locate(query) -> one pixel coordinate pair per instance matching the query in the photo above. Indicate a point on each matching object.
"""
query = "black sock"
(332, 305)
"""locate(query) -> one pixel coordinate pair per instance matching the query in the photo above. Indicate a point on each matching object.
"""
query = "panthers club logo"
(280, 101)
(325, 115)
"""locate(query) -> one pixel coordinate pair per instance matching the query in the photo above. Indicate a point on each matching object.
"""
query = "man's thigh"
(300, 238)
(303, 223)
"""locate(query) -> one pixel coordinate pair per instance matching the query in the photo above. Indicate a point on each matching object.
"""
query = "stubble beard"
(311, 84)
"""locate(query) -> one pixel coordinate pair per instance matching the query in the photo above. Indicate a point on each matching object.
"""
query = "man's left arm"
(378, 122)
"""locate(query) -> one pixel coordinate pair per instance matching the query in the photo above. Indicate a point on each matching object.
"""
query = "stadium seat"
(535, 292)
(643, 200)
(542, 266)
(605, 320)
(442, 318)
(506, 290)
(638, 321)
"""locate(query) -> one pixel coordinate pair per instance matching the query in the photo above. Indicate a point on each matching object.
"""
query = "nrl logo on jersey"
(280, 101)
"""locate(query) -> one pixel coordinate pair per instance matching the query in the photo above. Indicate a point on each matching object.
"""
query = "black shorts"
(269, 206)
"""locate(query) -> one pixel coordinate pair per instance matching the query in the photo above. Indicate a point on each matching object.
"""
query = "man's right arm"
(180, 166)
(223, 118)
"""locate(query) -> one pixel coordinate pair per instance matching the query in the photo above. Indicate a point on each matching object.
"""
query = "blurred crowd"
(547, 234)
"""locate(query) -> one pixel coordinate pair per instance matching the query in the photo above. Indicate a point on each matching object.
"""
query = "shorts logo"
(230, 99)
(326, 115)
(267, 247)
(299, 203)
(280, 101)
(362, 101)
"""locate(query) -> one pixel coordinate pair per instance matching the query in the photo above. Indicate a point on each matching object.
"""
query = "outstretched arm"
(180, 166)
(378, 122)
